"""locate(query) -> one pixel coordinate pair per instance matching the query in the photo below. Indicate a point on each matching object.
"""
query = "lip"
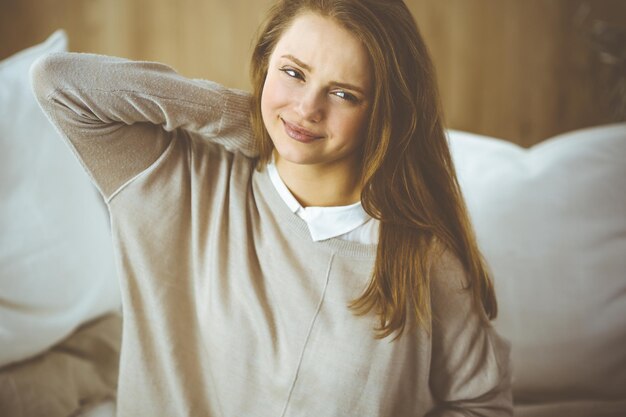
(298, 133)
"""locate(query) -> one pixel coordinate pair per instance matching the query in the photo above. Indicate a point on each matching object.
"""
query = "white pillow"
(551, 221)
(56, 257)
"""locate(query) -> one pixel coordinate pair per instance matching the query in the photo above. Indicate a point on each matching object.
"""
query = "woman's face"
(316, 97)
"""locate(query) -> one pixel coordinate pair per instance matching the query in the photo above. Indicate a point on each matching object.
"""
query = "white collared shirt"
(350, 222)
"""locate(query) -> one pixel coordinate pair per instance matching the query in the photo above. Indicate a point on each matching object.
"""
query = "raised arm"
(119, 115)
(470, 370)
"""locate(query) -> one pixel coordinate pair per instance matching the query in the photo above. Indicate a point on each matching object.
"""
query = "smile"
(297, 133)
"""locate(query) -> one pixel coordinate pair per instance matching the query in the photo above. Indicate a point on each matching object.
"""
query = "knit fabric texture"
(229, 308)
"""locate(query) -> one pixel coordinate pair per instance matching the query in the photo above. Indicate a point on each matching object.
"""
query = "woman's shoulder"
(451, 286)
(446, 267)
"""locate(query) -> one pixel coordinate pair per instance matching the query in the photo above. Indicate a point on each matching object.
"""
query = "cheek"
(266, 100)
(273, 97)
(352, 126)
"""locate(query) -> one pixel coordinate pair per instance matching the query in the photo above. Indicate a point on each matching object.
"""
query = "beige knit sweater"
(230, 309)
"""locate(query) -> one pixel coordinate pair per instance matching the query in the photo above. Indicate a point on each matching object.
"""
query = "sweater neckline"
(299, 227)
(323, 222)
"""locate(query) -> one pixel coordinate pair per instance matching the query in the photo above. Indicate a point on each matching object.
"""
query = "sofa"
(551, 223)
(550, 220)
(60, 322)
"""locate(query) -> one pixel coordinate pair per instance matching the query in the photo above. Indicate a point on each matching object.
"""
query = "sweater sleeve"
(470, 369)
(119, 116)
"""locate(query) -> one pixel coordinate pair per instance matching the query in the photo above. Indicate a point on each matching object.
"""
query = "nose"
(310, 105)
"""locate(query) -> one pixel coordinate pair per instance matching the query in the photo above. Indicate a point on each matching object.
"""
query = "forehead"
(326, 47)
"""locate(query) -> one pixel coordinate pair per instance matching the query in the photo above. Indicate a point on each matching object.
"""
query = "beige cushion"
(75, 375)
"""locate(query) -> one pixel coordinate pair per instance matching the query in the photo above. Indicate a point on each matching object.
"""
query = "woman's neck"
(321, 185)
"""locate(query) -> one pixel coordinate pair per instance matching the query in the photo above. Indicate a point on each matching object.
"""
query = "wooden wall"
(522, 70)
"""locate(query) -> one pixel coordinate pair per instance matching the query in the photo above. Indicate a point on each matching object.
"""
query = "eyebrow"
(338, 84)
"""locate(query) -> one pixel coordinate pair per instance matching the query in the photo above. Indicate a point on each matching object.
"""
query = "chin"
(295, 156)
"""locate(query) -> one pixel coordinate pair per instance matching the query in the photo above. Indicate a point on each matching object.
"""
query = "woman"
(318, 261)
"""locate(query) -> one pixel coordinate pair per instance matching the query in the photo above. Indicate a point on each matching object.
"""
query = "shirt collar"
(323, 222)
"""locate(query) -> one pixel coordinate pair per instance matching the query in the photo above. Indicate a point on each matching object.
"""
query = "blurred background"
(520, 70)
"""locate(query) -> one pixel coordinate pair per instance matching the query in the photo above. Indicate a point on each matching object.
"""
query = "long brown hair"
(409, 181)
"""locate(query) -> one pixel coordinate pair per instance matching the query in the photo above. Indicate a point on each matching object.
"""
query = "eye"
(293, 73)
(346, 96)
